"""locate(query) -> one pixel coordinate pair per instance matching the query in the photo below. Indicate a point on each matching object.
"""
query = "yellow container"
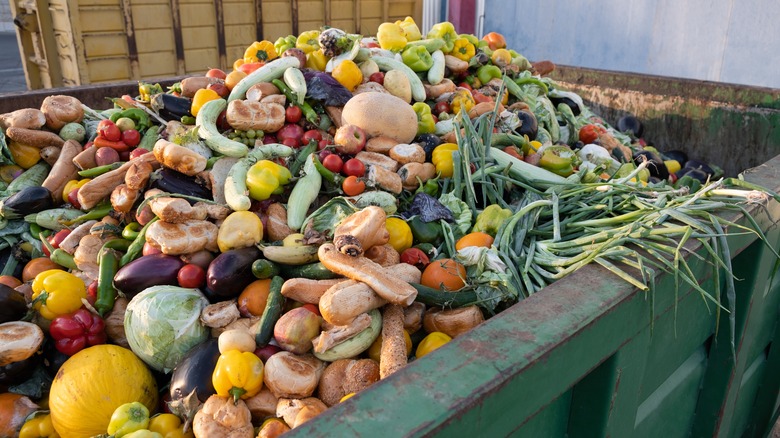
(80, 42)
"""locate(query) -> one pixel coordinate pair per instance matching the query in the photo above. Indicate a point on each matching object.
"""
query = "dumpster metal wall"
(592, 356)
(726, 41)
(80, 42)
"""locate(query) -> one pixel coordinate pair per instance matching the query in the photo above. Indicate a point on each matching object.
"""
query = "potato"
(380, 114)
(398, 85)
(104, 156)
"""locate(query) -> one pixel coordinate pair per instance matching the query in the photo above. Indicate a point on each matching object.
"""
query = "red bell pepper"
(102, 142)
(76, 331)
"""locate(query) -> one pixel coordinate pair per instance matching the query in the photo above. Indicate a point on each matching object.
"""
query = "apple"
(377, 77)
(350, 139)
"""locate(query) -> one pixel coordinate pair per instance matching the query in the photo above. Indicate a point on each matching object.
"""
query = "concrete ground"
(11, 71)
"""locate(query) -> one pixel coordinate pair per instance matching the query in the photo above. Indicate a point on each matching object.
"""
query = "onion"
(291, 376)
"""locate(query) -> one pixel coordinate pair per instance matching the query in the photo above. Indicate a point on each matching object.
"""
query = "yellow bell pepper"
(391, 37)
(73, 184)
(308, 41)
(462, 99)
(260, 51)
(128, 418)
(348, 74)
(400, 233)
(201, 97)
(446, 31)
(57, 292)
(143, 433)
(241, 229)
(238, 374)
(411, 31)
(501, 57)
(431, 342)
(463, 49)
(25, 156)
(169, 426)
(442, 159)
(316, 60)
(266, 178)
(39, 426)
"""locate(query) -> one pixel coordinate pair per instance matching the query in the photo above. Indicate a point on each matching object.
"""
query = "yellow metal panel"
(369, 25)
(155, 40)
(239, 13)
(154, 16)
(400, 10)
(103, 45)
(276, 13)
(239, 35)
(157, 65)
(198, 14)
(233, 53)
(108, 69)
(273, 31)
(91, 3)
(371, 9)
(199, 38)
(310, 11)
(341, 10)
(102, 20)
(199, 60)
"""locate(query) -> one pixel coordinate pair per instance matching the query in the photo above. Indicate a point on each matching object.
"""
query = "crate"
(80, 42)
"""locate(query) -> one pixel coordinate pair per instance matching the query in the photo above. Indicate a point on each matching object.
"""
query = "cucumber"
(387, 64)
(271, 314)
(235, 183)
(273, 70)
(297, 83)
(303, 194)
(449, 300)
(436, 72)
(206, 123)
(262, 269)
(312, 271)
(356, 344)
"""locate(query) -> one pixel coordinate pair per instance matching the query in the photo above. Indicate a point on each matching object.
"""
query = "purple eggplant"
(230, 273)
(147, 271)
(191, 379)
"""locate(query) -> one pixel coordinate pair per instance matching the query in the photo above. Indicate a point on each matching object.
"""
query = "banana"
(291, 255)
(356, 344)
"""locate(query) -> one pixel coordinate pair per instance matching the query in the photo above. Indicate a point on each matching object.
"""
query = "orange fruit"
(444, 274)
(477, 238)
(234, 78)
(36, 266)
(254, 297)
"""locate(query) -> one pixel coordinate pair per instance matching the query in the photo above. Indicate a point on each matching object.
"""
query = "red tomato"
(415, 257)
(322, 144)
(590, 133)
(216, 73)
(108, 130)
(480, 98)
(442, 107)
(377, 77)
(250, 67)
(92, 292)
(191, 276)
(137, 152)
(312, 134)
(333, 162)
(220, 88)
(131, 137)
(352, 186)
(292, 142)
(73, 198)
(293, 114)
(354, 167)
(465, 85)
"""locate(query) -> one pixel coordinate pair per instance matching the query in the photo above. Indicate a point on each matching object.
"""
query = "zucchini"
(235, 183)
(430, 44)
(303, 194)
(34, 176)
(312, 271)
(55, 218)
(27, 201)
(387, 64)
(273, 70)
(297, 83)
(206, 123)
(271, 314)
(356, 344)
(436, 72)
(262, 269)
(448, 300)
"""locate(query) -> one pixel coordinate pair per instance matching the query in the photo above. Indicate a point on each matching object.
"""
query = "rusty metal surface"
(258, 19)
(177, 37)
(221, 44)
(132, 47)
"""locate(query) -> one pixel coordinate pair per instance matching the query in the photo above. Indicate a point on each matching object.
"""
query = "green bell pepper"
(556, 162)
(488, 72)
(491, 218)
(417, 58)
(692, 183)
(446, 31)
(425, 123)
(471, 38)
(137, 115)
(283, 43)
(426, 232)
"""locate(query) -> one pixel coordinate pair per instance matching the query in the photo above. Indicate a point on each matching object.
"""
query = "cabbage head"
(162, 324)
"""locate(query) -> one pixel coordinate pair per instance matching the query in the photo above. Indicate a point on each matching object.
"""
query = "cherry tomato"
(442, 107)
(312, 134)
(137, 152)
(334, 163)
(293, 114)
(465, 85)
(220, 88)
(292, 142)
(377, 77)
(73, 198)
(216, 73)
(354, 167)
(191, 276)
(481, 98)
(92, 292)
(108, 130)
(590, 133)
(415, 257)
(322, 144)
(131, 137)
(352, 186)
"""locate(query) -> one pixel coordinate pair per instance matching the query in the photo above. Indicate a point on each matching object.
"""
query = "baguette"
(245, 115)
(34, 137)
(308, 291)
(63, 170)
(363, 269)
(393, 354)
